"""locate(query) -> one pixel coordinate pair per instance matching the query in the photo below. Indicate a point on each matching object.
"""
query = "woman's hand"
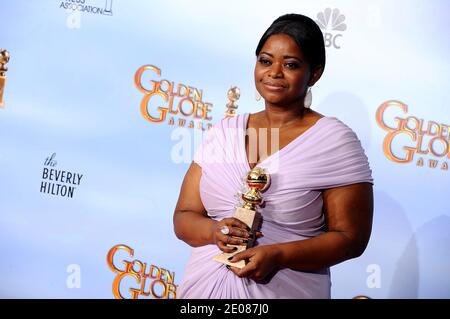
(262, 261)
(238, 234)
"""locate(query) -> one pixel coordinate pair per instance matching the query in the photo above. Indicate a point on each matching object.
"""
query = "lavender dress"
(327, 155)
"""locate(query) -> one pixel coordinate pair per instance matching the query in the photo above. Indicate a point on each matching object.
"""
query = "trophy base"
(223, 258)
(247, 216)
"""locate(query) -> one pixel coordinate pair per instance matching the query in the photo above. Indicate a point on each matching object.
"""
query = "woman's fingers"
(231, 240)
(239, 232)
(232, 231)
(233, 227)
(225, 248)
(238, 224)
(243, 228)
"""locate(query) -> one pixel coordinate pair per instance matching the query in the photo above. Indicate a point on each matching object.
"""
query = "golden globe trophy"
(233, 95)
(258, 180)
(4, 58)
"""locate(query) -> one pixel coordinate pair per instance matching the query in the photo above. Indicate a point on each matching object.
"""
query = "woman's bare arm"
(348, 211)
(194, 226)
(191, 223)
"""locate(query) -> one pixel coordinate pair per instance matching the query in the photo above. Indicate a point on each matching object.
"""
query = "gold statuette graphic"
(258, 181)
(4, 58)
(233, 94)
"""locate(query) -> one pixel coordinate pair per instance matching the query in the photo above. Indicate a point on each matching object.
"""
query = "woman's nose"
(276, 70)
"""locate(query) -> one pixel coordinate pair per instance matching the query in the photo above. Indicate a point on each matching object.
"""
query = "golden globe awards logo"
(148, 281)
(180, 105)
(412, 139)
(331, 22)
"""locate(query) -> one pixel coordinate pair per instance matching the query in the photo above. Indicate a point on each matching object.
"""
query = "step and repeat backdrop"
(106, 101)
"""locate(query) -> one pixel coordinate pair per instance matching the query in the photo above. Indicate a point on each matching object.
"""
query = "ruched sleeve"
(335, 158)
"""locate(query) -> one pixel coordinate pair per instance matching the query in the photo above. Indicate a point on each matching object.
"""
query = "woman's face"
(281, 72)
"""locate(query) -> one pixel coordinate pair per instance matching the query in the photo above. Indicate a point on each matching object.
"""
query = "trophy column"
(233, 94)
(4, 58)
(258, 181)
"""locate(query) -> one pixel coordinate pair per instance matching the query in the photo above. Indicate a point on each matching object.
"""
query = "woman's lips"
(274, 86)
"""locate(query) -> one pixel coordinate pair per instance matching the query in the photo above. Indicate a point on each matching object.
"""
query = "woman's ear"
(316, 74)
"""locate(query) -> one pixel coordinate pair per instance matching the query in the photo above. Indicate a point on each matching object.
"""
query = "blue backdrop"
(84, 169)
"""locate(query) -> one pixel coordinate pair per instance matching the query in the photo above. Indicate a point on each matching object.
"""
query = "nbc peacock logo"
(331, 21)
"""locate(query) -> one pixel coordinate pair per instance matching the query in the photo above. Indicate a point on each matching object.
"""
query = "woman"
(318, 207)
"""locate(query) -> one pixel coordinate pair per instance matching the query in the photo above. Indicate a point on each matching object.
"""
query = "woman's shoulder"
(237, 121)
(333, 127)
(334, 135)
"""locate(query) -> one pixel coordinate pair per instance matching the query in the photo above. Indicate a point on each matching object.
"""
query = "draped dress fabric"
(327, 155)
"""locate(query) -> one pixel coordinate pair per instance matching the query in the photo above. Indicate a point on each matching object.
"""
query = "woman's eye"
(292, 65)
(264, 61)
